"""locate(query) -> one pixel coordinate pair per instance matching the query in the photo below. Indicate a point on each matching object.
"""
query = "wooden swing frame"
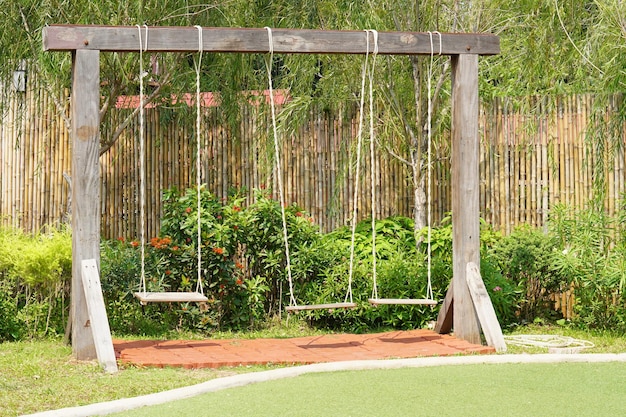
(87, 42)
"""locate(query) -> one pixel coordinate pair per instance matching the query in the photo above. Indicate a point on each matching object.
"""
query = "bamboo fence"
(530, 161)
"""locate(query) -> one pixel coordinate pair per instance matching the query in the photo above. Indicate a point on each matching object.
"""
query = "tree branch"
(107, 145)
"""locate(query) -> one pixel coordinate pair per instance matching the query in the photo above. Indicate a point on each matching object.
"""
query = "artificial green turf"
(565, 389)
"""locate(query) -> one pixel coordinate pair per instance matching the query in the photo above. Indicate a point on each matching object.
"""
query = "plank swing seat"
(170, 297)
(326, 306)
(145, 297)
(293, 306)
(374, 300)
(403, 301)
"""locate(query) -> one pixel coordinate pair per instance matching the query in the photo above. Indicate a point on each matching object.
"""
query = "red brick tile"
(312, 349)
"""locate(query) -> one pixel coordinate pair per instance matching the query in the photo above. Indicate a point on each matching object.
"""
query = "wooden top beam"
(255, 40)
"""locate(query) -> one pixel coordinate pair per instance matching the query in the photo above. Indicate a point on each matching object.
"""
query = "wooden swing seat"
(170, 297)
(328, 306)
(402, 301)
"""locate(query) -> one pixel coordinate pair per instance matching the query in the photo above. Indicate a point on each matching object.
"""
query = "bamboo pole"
(522, 174)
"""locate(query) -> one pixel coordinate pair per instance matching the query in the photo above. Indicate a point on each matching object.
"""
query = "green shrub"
(243, 262)
(35, 272)
(506, 295)
(401, 273)
(11, 326)
(593, 257)
(526, 258)
(120, 272)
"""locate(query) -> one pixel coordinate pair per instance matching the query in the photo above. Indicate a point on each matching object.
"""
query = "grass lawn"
(40, 375)
(566, 389)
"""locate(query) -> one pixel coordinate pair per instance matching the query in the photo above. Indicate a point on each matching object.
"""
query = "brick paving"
(216, 353)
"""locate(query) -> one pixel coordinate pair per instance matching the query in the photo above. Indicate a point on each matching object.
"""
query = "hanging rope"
(358, 162)
(373, 162)
(143, 46)
(198, 65)
(279, 177)
(429, 288)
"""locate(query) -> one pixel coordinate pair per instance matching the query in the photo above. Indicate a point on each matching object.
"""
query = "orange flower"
(188, 210)
(160, 243)
(134, 243)
(238, 265)
(168, 272)
(239, 281)
(218, 251)
(236, 208)
(121, 239)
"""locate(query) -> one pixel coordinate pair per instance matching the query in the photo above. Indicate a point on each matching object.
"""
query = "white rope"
(358, 167)
(143, 46)
(373, 161)
(199, 287)
(429, 288)
(548, 341)
(279, 177)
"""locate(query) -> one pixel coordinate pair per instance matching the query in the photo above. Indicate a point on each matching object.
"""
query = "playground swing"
(375, 300)
(293, 306)
(143, 295)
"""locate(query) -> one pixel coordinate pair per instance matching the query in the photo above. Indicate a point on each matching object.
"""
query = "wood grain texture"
(99, 322)
(327, 306)
(465, 191)
(255, 40)
(443, 325)
(484, 309)
(402, 301)
(85, 190)
(170, 297)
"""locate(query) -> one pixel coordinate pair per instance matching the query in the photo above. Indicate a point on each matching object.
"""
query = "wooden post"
(484, 309)
(85, 190)
(99, 322)
(465, 191)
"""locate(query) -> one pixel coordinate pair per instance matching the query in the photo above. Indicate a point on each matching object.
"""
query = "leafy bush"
(593, 257)
(10, 324)
(35, 272)
(243, 260)
(506, 295)
(526, 258)
(120, 272)
(401, 273)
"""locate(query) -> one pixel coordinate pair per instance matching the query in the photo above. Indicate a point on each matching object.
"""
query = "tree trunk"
(419, 199)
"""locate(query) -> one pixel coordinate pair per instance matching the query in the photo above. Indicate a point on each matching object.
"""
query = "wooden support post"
(484, 309)
(465, 191)
(443, 325)
(99, 322)
(85, 190)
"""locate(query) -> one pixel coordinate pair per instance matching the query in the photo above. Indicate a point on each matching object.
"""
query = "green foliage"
(243, 265)
(10, 324)
(594, 260)
(120, 271)
(400, 273)
(506, 295)
(526, 258)
(35, 272)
